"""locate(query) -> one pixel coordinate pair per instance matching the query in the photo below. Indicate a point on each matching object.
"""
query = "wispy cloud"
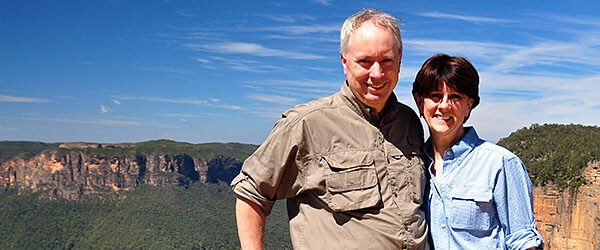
(116, 101)
(165, 70)
(215, 62)
(470, 49)
(304, 29)
(323, 2)
(550, 53)
(251, 49)
(8, 128)
(475, 19)
(507, 58)
(185, 13)
(273, 99)
(286, 18)
(210, 103)
(6, 98)
(92, 122)
(105, 109)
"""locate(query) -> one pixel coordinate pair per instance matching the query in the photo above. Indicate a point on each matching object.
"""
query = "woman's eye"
(435, 97)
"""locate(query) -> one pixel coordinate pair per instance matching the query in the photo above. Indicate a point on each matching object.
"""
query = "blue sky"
(205, 71)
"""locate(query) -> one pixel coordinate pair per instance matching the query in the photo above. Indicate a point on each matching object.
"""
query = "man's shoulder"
(304, 110)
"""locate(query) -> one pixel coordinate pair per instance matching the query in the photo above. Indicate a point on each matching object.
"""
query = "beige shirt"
(352, 179)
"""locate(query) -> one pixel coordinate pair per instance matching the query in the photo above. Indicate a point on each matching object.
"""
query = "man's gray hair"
(382, 19)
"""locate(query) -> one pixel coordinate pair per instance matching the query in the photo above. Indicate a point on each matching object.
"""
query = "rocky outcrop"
(570, 219)
(73, 175)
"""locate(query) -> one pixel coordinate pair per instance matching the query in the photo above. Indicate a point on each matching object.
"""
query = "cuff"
(246, 188)
(524, 239)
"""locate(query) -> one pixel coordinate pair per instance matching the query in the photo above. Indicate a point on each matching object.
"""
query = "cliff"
(570, 218)
(77, 170)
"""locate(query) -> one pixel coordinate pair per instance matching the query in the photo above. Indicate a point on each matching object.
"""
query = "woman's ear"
(470, 103)
(419, 101)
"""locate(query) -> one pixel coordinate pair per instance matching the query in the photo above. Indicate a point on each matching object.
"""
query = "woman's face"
(445, 110)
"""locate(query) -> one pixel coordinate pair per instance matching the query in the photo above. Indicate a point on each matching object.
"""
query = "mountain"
(157, 194)
(563, 162)
(76, 170)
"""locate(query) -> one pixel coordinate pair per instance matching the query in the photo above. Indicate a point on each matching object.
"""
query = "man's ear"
(344, 63)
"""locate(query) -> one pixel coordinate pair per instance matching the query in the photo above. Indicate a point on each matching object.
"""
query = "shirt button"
(443, 225)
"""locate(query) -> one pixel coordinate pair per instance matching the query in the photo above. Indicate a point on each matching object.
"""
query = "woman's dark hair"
(457, 72)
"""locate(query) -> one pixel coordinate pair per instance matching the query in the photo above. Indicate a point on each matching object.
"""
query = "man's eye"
(387, 61)
(364, 62)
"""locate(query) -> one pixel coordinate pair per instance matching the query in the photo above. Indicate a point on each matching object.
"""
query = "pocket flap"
(348, 159)
(479, 194)
(355, 179)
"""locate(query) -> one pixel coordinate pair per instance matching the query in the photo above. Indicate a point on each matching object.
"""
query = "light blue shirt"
(483, 200)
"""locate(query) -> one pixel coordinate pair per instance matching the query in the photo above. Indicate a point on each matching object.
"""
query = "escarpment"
(76, 170)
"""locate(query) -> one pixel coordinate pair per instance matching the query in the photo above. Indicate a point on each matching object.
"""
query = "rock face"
(74, 175)
(570, 219)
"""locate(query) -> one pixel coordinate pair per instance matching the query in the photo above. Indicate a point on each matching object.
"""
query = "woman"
(479, 195)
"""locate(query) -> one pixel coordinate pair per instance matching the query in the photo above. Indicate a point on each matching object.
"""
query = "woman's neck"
(440, 144)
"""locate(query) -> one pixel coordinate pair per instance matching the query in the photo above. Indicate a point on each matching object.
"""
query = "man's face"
(372, 64)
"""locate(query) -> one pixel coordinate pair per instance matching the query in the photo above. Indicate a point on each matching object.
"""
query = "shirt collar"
(461, 149)
(369, 113)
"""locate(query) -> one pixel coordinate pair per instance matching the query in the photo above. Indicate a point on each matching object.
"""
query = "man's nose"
(376, 70)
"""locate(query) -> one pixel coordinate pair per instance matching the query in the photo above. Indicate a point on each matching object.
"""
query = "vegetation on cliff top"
(555, 153)
(25, 150)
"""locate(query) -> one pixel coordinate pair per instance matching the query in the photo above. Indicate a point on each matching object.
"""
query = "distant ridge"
(77, 170)
(555, 153)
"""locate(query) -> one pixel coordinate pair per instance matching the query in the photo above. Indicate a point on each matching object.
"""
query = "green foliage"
(22, 149)
(25, 150)
(199, 217)
(555, 153)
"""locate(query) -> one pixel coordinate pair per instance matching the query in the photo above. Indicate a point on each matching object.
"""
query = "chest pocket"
(472, 208)
(351, 181)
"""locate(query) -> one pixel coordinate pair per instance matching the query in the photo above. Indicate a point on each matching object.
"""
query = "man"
(349, 164)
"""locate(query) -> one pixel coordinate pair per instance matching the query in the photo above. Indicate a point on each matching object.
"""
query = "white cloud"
(164, 69)
(105, 109)
(9, 129)
(183, 101)
(116, 101)
(469, 49)
(475, 19)
(6, 98)
(286, 18)
(273, 99)
(251, 49)
(305, 29)
(92, 122)
(185, 13)
(323, 2)
(216, 62)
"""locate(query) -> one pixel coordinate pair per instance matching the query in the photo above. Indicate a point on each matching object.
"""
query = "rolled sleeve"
(514, 201)
(270, 173)
(524, 239)
(244, 187)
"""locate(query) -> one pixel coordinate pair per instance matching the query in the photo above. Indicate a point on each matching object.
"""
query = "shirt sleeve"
(270, 173)
(514, 203)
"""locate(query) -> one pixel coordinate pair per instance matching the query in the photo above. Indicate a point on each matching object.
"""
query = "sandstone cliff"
(73, 174)
(570, 219)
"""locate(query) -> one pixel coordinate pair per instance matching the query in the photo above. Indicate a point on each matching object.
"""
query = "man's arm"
(250, 223)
